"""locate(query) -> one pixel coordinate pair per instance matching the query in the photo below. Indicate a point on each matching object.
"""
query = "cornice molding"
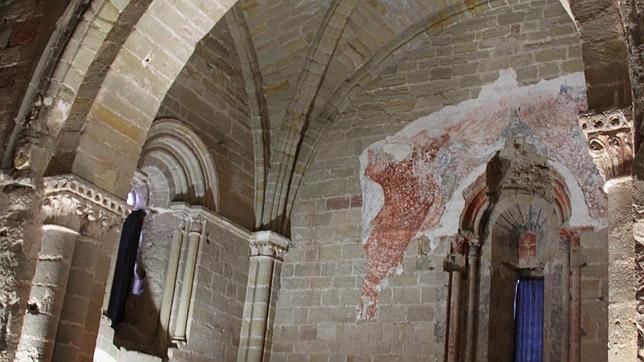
(193, 212)
(72, 202)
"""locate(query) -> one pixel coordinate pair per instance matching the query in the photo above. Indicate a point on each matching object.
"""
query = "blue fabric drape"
(529, 321)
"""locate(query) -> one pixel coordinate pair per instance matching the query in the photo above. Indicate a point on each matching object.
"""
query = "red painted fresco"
(409, 200)
(528, 247)
(419, 170)
(573, 235)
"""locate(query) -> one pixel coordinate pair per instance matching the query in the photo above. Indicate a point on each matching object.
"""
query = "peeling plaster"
(57, 114)
(426, 166)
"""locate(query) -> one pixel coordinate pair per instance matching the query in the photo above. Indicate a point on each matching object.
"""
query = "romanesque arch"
(174, 150)
(100, 108)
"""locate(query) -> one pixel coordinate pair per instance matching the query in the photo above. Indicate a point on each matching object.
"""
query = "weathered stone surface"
(285, 117)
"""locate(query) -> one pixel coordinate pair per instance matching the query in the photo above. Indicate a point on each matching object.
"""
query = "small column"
(197, 229)
(170, 283)
(472, 299)
(610, 143)
(454, 264)
(73, 212)
(266, 254)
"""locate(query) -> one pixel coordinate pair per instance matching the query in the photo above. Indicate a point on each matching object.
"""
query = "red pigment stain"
(528, 247)
(573, 235)
(408, 201)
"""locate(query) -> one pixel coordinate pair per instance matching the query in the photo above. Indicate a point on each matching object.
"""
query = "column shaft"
(186, 286)
(170, 281)
(265, 267)
(454, 317)
(575, 303)
(622, 330)
(47, 294)
(472, 296)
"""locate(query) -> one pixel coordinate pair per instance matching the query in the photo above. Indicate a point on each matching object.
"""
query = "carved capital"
(74, 203)
(454, 263)
(196, 226)
(268, 243)
(610, 141)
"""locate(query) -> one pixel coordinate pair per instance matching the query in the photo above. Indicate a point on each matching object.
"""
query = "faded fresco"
(413, 181)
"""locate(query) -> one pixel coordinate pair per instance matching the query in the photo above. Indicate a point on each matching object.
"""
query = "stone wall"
(139, 330)
(320, 311)
(218, 298)
(216, 304)
(25, 28)
(209, 96)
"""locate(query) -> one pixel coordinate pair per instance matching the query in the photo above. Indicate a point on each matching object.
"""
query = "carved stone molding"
(197, 225)
(189, 213)
(268, 243)
(610, 141)
(74, 203)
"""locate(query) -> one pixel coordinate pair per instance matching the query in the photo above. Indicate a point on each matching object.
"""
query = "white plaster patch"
(398, 151)
(506, 86)
(102, 356)
(373, 198)
(580, 215)
(477, 125)
(57, 116)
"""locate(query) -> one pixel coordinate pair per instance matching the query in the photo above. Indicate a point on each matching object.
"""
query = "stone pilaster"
(610, 144)
(76, 217)
(195, 234)
(267, 250)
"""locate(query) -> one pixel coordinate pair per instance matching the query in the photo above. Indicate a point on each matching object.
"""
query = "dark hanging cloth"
(124, 270)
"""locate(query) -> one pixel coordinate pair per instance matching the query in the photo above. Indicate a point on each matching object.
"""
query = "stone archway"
(101, 128)
(131, 92)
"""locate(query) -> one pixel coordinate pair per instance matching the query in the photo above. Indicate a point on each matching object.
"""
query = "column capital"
(610, 141)
(268, 243)
(74, 203)
(197, 225)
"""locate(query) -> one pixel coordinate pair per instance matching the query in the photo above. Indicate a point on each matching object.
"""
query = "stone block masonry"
(321, 300)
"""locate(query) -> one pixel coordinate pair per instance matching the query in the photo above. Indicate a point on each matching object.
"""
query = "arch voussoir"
(156, 51)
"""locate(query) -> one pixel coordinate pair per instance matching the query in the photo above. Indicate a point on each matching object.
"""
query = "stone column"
(455, 265)
(74, 214)
(632, 20)
(610, 143)
(472, 299)
(266, 254)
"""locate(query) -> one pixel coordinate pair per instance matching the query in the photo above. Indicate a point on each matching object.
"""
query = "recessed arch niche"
(178, 166)
(515, 223)
(177, 175)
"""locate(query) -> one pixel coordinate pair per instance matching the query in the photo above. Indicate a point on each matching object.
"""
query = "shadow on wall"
(140, 330)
